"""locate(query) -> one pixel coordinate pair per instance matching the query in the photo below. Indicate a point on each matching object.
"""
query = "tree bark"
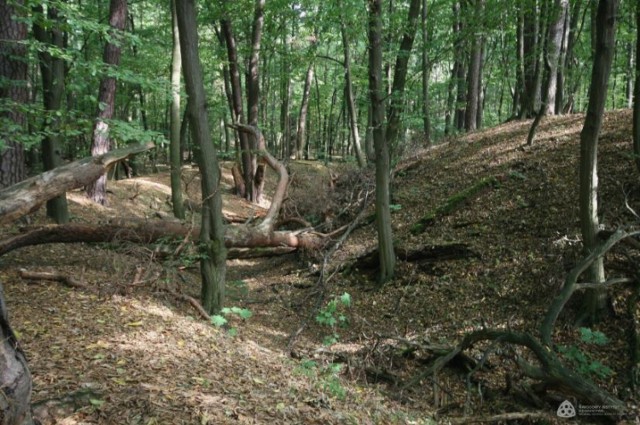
(213, 262)
(636, 94)
(255, 185)
(531, 56)
(595, 301)
(351, 104)
(376, 91)
(426, 73)
(15, 378)
(555, 36)
(304, 108)
(13, 90)
(236, 93)
(473, 74)
(175, 154)
(97, 191)
(400, 75)
(26, 196)
(53, 75)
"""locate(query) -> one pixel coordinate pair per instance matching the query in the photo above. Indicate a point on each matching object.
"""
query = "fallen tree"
(27, 196)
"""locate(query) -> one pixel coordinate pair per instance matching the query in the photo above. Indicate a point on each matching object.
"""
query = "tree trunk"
(595, 300)
(53, 76)
(636, 94)
(351, 104)
(531, 55)
(426, 73)
(174, 148)
(458, 65)
(400, 76)
(304, 108)
(236, 93)
(13, 73)
(376, 91)
(555, 36)
(26, 196)
(255, 185)
(473, 74)
(213, 262)
(97, 191)
(552, 48)
(15, 379)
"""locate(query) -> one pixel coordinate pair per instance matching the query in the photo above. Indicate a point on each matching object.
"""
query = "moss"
(452, 204)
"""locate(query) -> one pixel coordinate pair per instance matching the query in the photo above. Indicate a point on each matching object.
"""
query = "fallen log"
(27, 196)
(146, 232)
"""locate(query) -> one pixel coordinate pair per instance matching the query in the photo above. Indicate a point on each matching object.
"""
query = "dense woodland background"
(309, 124)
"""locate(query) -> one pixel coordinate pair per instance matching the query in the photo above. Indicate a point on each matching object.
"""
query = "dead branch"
(53, 276)
(150, 231)
(570, 284)
(194, 303)
(551, 371)
(28, 195)
(268, 222)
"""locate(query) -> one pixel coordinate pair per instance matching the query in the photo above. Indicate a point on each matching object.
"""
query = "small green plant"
(219, 320)
(332, 316)
(584, 364)
(328, 377)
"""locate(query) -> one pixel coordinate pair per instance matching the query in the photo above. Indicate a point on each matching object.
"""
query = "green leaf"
(96, 402)
(346, 299)
(218, 320)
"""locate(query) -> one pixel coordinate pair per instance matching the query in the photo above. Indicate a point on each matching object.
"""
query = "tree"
(53, 76)
(636, 94)
(213, 261)
(552, 48)
(595, 299)
(387, 255)
(97, 191)
(174, 148)
(474, 86)
(13, 91)
(350, 100)
(401, 69)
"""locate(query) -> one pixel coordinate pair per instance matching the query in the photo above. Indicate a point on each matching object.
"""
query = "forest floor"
(128, 351)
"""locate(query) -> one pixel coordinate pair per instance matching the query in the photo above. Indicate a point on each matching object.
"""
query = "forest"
(319, 212)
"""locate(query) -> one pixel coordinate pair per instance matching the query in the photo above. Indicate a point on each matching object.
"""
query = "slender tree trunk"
(13, 70)
(97, 191)
(562, 61)
(236, 93)
(458, 65)
(213, 262)
(629, 82)
(256, 183)
(636, 94)
(53, 76)
(304, 108)
(531, 49)
(387, 255)
(473, 74)
(595, 300)
(401, 68)
(351, 104)
(552, 51)
(519, 92)
(174, 148)
(426, 73)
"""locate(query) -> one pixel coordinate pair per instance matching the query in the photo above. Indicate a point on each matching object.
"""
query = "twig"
(194, 303)
(54, 276)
